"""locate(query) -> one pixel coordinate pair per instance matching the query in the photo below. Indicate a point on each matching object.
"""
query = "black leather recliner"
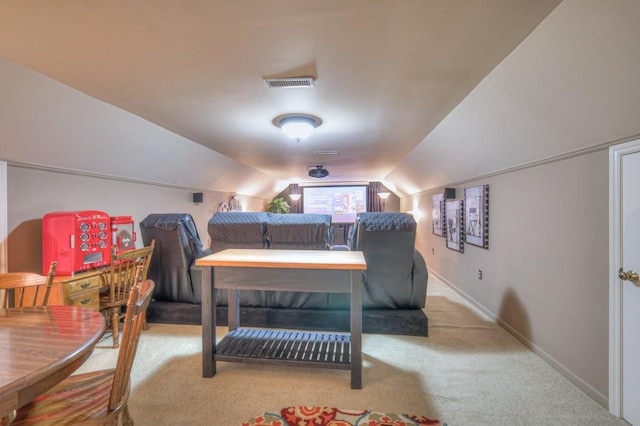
(177, 247)
(397, 275)
(269, 231)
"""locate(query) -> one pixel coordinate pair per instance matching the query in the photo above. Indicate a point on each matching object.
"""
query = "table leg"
(356, 329)
(234, 309)
(208, 322)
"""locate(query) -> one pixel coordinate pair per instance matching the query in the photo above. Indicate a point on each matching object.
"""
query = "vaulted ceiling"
(386, 72)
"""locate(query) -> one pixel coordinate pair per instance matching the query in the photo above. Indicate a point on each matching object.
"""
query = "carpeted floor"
(328, 416)
(469, 371)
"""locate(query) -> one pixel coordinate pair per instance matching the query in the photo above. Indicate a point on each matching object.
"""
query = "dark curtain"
(374, 203)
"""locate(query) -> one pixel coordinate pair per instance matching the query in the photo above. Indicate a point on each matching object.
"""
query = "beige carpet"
(469, 371)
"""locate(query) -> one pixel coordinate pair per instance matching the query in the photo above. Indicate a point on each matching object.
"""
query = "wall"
(545, 272)
(45, 123)
(537, 129)
(68, 151)
(33, 193)
(574, 83)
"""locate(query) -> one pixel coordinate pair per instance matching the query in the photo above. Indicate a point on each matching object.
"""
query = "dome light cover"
(297, 126)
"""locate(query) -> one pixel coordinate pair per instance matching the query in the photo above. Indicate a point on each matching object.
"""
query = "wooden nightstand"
(82, 290)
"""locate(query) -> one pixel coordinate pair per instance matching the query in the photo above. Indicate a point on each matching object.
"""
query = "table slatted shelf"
(293, 347)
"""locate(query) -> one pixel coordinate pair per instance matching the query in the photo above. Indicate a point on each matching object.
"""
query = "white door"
(624, 392)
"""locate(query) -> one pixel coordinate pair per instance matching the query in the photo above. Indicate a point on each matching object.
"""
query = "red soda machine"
(77, 240)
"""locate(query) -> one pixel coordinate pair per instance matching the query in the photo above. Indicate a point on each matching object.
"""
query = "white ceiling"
(387, 72)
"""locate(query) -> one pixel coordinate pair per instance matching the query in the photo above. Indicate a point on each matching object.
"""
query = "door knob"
(628, 275)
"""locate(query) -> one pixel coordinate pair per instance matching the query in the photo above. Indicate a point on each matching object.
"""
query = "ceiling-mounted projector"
(319, 172)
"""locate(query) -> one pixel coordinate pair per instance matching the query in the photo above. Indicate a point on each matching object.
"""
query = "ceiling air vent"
(319, 172)
(290, 83)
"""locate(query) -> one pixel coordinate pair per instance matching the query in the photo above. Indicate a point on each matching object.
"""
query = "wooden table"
(323, 271)
(39, 347)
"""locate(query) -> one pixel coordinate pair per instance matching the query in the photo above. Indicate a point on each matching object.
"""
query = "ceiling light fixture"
(297, 126)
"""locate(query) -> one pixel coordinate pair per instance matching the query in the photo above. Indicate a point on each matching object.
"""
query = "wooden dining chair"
(23, 289)
(123, 273)
(97, 397)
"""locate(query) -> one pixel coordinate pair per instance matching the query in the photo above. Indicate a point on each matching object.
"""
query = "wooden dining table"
(40, 347)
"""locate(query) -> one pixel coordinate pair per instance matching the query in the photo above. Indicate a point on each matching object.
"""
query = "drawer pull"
(85, 301)
(85, 285)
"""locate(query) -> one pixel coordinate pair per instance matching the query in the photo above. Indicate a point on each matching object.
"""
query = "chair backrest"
(228, 230)
(387, 240)
(23, 289)
(298, 231)
(137, 304)
(124, 272)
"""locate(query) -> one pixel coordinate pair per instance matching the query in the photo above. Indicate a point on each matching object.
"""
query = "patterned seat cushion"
(78, 398)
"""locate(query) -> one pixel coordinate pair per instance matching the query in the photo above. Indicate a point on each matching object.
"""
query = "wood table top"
(40, 347)
(291, 259)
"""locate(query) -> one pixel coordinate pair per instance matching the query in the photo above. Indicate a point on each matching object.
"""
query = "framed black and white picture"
(454, 214)
(476, 204)
(437, 215)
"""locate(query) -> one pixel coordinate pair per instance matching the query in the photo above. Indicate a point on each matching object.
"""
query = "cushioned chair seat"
(84, 395)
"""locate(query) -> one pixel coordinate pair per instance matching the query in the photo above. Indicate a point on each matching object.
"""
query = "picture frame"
(454, 213)
(476, 202)
(438, 223)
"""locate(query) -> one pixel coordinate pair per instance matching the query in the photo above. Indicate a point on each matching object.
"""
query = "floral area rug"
(326, 416)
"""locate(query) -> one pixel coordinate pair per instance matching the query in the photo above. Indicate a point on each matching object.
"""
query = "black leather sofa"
(393, 295)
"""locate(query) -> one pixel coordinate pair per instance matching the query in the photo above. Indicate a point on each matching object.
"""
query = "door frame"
(4, 212)
(616, 153)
